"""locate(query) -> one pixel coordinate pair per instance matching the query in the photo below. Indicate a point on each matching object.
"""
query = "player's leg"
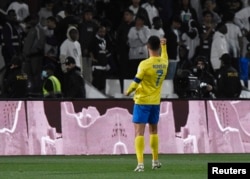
(140, 116)
(154, 138)
(139, 146)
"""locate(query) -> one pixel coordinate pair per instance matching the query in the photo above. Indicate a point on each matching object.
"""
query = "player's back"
(152, 71)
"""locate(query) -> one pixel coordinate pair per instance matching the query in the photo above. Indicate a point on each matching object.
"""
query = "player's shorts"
(146, 114)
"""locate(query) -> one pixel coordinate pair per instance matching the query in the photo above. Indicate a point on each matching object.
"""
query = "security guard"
(228, 82)
(51, 86)
(16, 81)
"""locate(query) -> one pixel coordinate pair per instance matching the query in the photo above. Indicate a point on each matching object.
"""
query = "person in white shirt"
(151, 10)
(218, 47)
(137, 39)
(138, 10)
(46, 12)
(71, 47)
(241, 19)
(157, 28)
(191, 38)
(234, 39)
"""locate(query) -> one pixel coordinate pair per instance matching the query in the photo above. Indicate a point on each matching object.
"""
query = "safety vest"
(56, 86)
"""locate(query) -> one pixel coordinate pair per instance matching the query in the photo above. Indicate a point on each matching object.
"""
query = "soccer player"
(147, 86)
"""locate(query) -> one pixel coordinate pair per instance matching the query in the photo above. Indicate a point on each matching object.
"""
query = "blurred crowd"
(50, 48)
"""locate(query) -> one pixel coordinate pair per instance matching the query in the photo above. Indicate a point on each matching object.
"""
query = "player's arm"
(134, 84)
(164, 48)
(132, 87)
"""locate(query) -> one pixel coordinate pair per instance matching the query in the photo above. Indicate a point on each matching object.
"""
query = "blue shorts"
(146, 114)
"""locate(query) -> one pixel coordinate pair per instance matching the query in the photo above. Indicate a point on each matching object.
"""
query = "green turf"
(174, 166)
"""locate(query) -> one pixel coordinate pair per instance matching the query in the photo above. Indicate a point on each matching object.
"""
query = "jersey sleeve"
(164, 52)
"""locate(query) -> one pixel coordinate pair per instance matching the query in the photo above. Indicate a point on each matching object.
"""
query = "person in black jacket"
(197, 81)
(122, 46)
(99, 54)
(74, 84)
(16, 81)
(173, 34)
(228, 82)
(206, 81)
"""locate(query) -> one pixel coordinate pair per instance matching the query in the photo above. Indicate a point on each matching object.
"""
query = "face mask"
(44, 74)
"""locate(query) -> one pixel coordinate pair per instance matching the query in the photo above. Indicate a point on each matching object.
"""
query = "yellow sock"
(139, 148)
(154, 143)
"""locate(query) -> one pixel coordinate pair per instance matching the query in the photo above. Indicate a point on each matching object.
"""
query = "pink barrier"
(228, 117)
(13, 128)
(42, 137)
(194, 133)
(211, 127)
(223, 138)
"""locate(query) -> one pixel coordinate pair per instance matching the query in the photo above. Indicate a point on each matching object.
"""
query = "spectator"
(73, 83)
(12, 38)
(230, 5)
(151, 9)
(184, 62)
(228, 82)
(110, 38)
(241, 19)
(157, 28)
(206, 37)
(182, 72)
(51, 85)
(218, 47)
(16, 81)
(187, 12)
(46, 12)
(210, 5)
(87, 31)
(122, 46)
(191, 38)
(140, 11)
(197, 5)
(59, 7)
(99, 55)
(166, 10)
(137, 38)
(21, 9)
(69, 20)
(2, 22)
(33, 51)
(71, 47)
(51, 46)
(234, 39)
(173, 34)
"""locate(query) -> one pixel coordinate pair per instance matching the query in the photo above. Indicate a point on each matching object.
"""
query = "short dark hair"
(129, 11)
(141, 17)
(204, 13)
(52, 18)
(226, 58)
(154, 42)
(70, 60)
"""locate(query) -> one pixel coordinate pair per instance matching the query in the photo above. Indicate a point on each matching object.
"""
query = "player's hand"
(126, 94)
(163, 41)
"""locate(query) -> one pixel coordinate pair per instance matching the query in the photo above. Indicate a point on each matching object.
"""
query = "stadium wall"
(104, 127)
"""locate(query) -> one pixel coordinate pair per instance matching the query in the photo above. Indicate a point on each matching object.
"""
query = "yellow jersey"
(148, 80)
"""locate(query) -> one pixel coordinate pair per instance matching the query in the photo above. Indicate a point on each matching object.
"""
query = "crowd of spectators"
(107, 39)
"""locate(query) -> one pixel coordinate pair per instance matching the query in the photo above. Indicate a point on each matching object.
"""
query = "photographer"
(207, 82)
(197, 82)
